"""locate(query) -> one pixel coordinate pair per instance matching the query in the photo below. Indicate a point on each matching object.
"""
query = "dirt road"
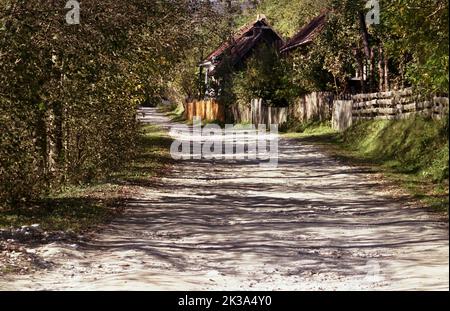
(310, 224)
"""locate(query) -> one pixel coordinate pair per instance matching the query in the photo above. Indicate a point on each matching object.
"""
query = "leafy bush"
(68, 93)
(267, 76)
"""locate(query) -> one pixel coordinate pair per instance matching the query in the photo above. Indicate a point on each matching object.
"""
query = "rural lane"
(310, 224)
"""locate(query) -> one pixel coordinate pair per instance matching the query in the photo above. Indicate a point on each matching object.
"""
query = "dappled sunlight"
(311, 223)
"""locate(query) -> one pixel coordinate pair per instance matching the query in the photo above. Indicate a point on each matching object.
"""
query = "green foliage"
(413, 153)
(419, 29)
(74, 214)
(413, 146)
(293, 128)
(414, 34)
(151, 159)
(287, 16)
(325, 64)
(210, 29)
(81, 208)
(309, 73)
(266, 76)
(68, 93)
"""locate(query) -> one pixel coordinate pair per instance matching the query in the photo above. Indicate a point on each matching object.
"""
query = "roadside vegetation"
(173, 111)
(69, 93)
(82, 208)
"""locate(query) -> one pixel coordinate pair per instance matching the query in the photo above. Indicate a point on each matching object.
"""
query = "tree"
(415, 33)
(68, 93)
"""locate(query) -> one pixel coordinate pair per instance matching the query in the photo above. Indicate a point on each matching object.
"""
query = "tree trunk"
(366, 45)
(372, 69)
(364, 34)
(51, 143)
(230, 19)
(380, 69)
(55, 142)
(58, 140)
(200, 83)
(360, 60)
(65, 143)
(41, 143)
(386, 72)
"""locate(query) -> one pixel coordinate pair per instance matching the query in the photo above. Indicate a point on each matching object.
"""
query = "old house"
(239, 48)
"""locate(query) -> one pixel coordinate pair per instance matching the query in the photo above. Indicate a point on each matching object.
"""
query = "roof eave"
(289, 48)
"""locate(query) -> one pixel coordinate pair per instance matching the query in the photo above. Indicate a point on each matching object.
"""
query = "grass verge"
(411, 153)
(83, 208)
(174, 112)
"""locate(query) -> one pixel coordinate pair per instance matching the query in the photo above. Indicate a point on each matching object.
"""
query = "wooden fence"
(391, 105)
(258, 113)
(208, 110)
(324, 106)
(397, 105)
(314, 106)
(241, 113)
(263, 114)
(342, 115)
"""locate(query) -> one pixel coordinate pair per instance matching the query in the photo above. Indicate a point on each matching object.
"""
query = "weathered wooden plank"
(404, 92)
(441, 101)
(424, 105)
(385, 111)
(396, 105)
(385, 102)
(409, 107)
(386, 117)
